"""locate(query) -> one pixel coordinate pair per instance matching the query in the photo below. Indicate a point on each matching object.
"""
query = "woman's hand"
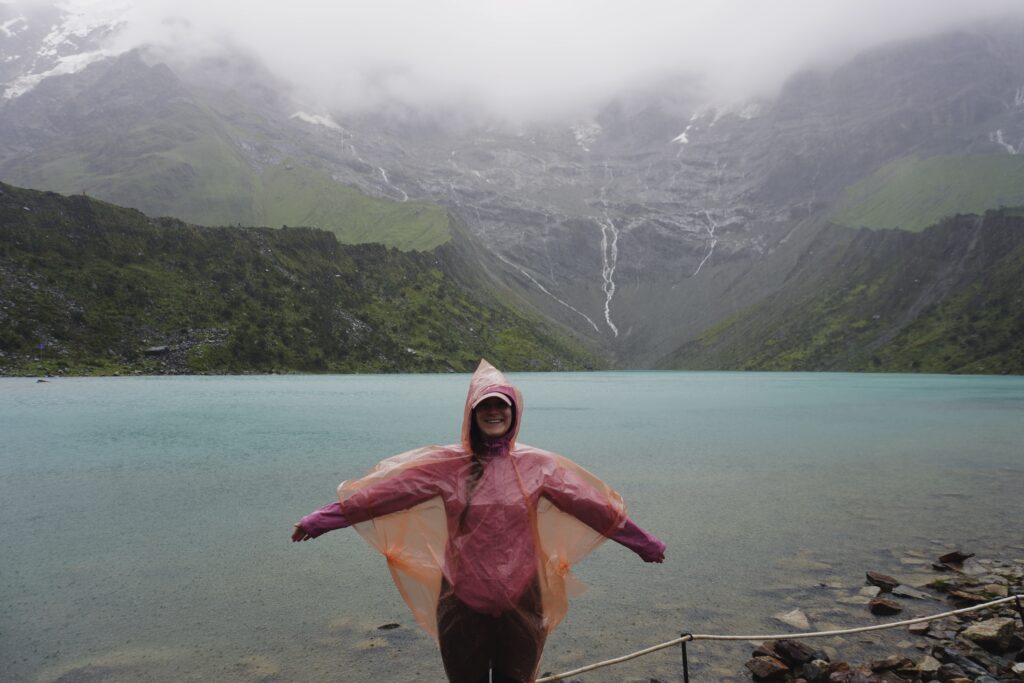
(652, 552)
(300, 534)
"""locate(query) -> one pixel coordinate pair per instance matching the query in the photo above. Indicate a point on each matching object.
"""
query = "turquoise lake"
(146, 520)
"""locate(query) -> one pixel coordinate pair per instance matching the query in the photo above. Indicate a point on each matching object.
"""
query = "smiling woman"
(480, 536)
(493, 415)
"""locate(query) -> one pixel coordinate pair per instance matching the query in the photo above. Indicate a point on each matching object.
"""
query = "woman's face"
(493, 417)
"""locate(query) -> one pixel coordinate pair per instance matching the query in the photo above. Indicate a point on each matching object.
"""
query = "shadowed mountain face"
(639, 229)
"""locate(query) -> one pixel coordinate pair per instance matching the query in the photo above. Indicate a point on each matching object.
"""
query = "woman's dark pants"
(472, 644)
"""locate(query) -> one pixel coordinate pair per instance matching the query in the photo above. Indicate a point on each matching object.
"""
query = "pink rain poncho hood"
(491, 526)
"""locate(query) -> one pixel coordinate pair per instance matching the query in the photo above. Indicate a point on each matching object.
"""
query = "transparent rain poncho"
(485, 543)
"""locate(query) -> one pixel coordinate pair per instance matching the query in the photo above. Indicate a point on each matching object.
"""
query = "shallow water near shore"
(146, 520)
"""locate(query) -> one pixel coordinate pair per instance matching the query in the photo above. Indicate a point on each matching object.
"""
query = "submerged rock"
(956, 556)
(884, 606)
(883, 581)
(908, 592)
(795, 618)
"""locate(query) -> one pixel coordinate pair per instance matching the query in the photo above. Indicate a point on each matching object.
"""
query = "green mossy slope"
(87, 287)
(948, 300)
(913, 194)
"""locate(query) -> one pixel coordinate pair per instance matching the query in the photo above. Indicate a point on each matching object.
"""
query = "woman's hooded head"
(485, 383)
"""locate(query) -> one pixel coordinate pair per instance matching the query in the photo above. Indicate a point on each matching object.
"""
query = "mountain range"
(662, 231)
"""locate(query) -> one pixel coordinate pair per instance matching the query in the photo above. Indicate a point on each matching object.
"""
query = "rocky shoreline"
(976, 647)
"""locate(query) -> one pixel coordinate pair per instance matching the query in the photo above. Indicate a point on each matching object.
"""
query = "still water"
(146, 520)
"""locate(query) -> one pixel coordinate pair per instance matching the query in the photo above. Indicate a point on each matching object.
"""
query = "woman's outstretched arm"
(327, 518)
(400, 492)
(648, 546)
(576, 497)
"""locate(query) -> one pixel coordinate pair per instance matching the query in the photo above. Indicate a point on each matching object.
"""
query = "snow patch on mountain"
(585, 133)
(683, 138)
(316, 120)
(65, 65)
(72, 44)
(11, 27)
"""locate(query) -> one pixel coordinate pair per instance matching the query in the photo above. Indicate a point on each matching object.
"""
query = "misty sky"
(526, 58)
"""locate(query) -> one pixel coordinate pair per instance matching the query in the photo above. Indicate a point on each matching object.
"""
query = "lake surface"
(146, 520)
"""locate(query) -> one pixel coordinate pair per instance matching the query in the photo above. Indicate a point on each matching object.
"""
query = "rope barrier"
(687, 637)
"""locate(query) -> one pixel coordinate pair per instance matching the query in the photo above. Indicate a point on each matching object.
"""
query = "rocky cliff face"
(637, 229)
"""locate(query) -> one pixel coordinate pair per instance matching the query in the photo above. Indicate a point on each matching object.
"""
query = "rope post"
(1020, 610)
(686, 663)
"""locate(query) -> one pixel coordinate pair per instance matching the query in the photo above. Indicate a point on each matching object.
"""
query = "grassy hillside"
(296, 195)
(89, 287)
(947, 299)
(165, 151)
(912, 193)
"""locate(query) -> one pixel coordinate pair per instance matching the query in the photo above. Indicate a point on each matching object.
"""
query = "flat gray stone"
(795, 618)
(908, 592)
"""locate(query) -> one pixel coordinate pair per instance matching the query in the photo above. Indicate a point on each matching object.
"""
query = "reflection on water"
(146, 519)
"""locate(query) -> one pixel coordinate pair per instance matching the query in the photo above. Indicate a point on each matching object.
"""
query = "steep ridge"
(947, 299)
(89, 287)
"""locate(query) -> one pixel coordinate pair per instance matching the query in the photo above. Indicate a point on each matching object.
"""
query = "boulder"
(992, 634)
(767, 668)
(794, 652)
(884, 606)
(883, 581)
(816, 671)
(928, 667)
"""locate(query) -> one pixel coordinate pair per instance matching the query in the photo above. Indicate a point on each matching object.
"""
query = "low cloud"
(539, 58)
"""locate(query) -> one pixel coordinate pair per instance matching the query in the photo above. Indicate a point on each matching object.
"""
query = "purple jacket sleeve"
(327, 518)
(573, 496)
(644, 544)
(400, 492)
